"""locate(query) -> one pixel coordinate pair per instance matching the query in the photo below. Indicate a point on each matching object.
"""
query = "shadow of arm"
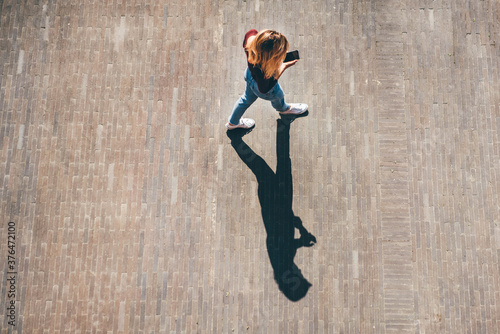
(306, 238)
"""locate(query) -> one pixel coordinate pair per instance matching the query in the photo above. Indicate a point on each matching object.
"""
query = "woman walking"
(266, 52)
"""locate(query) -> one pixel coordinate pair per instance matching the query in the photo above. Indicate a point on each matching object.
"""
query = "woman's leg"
(242, 104)
(278, 102)
(277, 98)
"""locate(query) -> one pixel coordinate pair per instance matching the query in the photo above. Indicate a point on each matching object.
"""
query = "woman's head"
(268, 50)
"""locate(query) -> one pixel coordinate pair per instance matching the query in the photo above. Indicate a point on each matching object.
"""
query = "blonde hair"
(268, 51)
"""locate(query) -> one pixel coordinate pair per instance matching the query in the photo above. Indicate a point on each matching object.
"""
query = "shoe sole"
(304, 114)
(293, 113)
(240, 127)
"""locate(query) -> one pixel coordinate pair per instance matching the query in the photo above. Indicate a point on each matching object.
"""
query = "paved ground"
(133, 212)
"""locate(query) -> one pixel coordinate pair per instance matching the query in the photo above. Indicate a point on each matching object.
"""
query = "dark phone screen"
(292, 56)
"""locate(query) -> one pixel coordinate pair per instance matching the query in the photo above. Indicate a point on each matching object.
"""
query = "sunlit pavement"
(127, 208)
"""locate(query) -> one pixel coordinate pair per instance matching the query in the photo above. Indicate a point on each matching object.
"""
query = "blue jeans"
(275, 95)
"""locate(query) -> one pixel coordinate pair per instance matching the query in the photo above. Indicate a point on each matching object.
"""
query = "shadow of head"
(292, 283)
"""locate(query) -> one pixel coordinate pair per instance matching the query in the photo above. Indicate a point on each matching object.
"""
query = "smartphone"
(292, 56)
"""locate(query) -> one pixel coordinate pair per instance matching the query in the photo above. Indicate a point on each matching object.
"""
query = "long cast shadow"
(275, 192)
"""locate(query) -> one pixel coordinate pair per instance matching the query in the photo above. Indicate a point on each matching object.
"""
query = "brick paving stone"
(134, 214)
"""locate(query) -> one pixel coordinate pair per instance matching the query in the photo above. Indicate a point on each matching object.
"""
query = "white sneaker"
(245, 123)
(295, 109)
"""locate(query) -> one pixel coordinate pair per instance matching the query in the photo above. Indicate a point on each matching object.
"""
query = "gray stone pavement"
(134, 212)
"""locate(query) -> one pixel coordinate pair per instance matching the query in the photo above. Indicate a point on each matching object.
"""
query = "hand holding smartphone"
(292, 56)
